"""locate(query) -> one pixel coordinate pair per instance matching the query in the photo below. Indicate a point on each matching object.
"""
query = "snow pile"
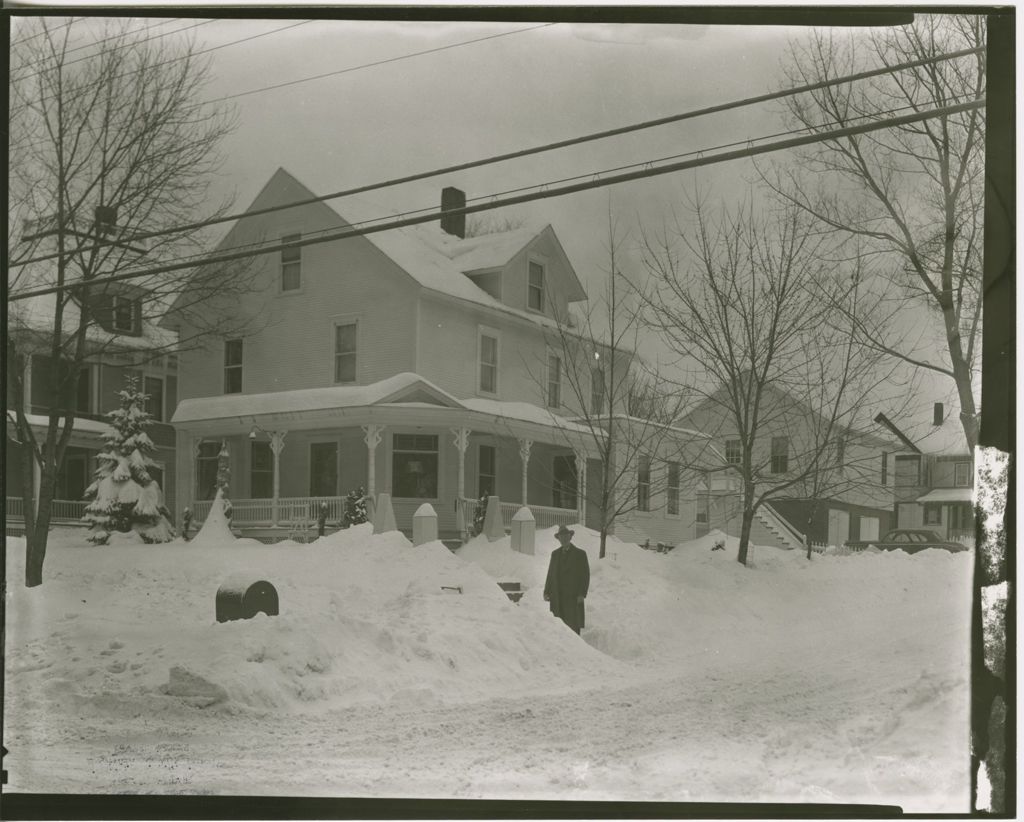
(363, 618)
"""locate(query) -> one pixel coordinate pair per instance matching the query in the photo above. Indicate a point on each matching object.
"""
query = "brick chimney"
(455, 224)
(938, 414)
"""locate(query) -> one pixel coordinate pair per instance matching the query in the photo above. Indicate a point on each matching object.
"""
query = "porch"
(414, 441)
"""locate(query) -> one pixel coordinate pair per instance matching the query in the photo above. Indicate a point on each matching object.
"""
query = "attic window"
(535, 290)
(126, 314)
(291, 264)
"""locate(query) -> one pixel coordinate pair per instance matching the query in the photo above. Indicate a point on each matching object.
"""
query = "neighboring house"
(413, 361)
(850, 497)
(934, 475)
(119, 343)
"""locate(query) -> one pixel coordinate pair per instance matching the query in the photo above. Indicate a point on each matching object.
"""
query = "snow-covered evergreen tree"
(224, 478)
(355, 507)
(125, 497)
(479, 515)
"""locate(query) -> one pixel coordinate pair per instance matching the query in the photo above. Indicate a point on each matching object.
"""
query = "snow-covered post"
(493, 526)
(372, 440)
(524, 455)
(462, 443)
(581, 485)
(424, 524)
(383, 514)
(524, 528)
(276, 446)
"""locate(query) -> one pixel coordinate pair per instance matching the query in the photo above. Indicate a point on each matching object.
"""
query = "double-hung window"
(535, 288)
(487, 471)
(780, 455)
(597, 390)
(733, 456)
(154, 390)
(261, 470)
(414, 466)
(125, 314)
(488, 363)
(643, 484)
(672, 489)
(291, 264)
(233, 367)
(345, 345)
(206, 469)
(554, 381)
(962, 474)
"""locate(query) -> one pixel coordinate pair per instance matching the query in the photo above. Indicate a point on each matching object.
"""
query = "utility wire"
(107, 40)
(599, 135)
(544, 193)
(41, 33)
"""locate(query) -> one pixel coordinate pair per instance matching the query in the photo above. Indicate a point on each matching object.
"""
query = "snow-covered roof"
(523, 411)
(483, 251)
(311, 399)
(917, 424)
(947, 495)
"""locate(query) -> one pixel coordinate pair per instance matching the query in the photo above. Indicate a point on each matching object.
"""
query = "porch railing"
(62, 510)
(545, 516)
(260, 512)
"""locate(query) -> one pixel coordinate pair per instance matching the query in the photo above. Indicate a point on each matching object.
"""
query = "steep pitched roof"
(917, 426)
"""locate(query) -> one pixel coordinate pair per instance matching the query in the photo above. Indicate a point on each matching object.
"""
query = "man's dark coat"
(568, 579)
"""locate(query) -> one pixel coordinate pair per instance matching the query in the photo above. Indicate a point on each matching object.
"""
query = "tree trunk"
(604, 537)
(748, 519)
(35, 546)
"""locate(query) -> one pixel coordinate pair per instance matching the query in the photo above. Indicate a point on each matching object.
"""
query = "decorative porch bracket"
(524, 455)
(372, 440)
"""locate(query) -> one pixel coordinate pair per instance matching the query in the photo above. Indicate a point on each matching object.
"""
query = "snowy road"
(726, 736)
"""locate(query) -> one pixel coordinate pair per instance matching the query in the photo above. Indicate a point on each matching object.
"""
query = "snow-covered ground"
(835, 679)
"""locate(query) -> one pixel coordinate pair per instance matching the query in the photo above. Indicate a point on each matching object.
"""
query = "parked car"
(910, 540)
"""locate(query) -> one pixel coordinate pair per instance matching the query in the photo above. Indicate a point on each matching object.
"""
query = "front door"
(323, 469)
(564, 485)
(838, 527)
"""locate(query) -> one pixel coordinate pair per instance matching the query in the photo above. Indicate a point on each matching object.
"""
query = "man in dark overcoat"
(568, 580)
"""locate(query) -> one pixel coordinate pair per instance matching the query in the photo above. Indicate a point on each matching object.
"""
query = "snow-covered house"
(121, 341)
(414, 361)
(848, 497)
(934, 474)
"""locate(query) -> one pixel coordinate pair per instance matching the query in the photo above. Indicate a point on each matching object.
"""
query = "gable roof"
(916, 426)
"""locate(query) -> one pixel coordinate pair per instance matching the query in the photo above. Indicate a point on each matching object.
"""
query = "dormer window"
(126, 314)
(291, 264)
(535, 290)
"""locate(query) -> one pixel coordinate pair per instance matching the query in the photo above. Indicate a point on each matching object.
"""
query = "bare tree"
(905, 202)
(741, 299)
(106, 148)
(614, 397)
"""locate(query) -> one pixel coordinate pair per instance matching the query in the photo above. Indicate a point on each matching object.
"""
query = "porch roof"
(404, 399)
(947, 495)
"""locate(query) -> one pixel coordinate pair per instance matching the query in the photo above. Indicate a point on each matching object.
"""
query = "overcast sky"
(536, 85)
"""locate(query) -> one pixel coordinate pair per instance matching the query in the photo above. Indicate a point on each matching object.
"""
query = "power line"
(41, 33)
(106, 40)
(377, 63)
(599, 135)
(544, 193)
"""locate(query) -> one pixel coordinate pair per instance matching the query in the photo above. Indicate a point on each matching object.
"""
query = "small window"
(126, 314)
(597, 390)
(840, 450)
(261, 471)
(932, 514)
(154, 390)
(780, 455)
(291, 264)
(345, 344)
(962, 475)
(643, 484)
(672, 489)
(488, 364)
(535, 296)
(554, 381)
(885, 468)
(414, 466)
(732, 452)
(703, 508)
(233, 367)
(487, 471)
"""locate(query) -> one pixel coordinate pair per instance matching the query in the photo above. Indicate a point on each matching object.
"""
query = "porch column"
(276, 446)
(581, 485)
(462, 443)
(524, 455)
(372, 440)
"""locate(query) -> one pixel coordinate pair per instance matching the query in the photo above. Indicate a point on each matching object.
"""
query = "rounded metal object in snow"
(244, 597)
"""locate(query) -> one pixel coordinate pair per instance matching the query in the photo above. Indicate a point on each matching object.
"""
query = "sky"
(527, 84)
